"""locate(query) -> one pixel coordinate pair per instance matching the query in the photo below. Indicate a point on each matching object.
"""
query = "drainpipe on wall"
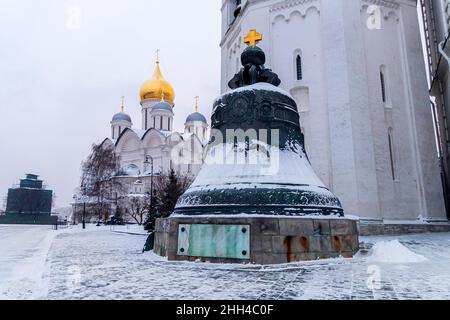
(441, 159)
(441, 49)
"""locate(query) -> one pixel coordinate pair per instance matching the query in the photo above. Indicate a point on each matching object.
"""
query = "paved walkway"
(108, 265)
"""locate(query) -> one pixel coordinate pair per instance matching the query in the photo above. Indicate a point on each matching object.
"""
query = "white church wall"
(351, 144)
(130, 150)
(296, 31)
(396, 183)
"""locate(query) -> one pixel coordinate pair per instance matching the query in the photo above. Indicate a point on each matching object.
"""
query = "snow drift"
(393, 252)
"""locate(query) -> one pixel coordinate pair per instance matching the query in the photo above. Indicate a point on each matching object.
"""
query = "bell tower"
(356, 71)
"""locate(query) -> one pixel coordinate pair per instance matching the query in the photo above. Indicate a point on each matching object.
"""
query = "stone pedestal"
(271, 240)
(38, 219)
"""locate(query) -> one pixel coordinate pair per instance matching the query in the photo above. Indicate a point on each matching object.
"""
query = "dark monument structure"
(257, 198)
(30, 203)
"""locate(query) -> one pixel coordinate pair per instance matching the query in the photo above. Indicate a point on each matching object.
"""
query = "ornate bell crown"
(253, 71)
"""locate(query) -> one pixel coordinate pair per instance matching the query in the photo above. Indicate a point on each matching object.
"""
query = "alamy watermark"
(374, 20)
(73, 280)
(373, 281)
(259, 148)
(74, 16)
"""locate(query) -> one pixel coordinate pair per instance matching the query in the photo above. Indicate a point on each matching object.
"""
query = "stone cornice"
(391, 4)
(289, 4)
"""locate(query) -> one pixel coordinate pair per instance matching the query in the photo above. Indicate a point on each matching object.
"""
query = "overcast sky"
(60, 85)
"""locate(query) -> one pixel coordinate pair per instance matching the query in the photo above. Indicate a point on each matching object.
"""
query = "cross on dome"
(253, 38)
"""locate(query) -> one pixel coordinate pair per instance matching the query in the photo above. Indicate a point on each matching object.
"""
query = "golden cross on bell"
(157, 55)
(253, 38)
(196, 103)
(123, 103)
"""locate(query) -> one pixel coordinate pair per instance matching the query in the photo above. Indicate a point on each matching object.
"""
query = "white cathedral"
(356, 70)
(156, 148)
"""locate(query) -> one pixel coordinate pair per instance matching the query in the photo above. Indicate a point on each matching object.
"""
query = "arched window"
(237, 8)
(161, 123)
(234, 10)
(391, 152)
(299, 70)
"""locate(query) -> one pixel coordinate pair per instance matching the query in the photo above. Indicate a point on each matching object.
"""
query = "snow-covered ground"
(100, 263)
(23, 254)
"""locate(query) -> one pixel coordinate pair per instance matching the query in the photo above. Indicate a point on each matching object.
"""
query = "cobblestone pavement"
(108, 265)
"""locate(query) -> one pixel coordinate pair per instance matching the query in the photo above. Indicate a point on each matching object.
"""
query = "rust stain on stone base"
(304, 244)
(288, 248)
(295, 245)
(337, 245)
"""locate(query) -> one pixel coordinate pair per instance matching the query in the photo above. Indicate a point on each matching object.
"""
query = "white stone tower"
(120, 122)
(356, 71)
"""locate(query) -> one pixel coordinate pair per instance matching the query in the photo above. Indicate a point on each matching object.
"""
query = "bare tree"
(168, 189)
(98, 180)
(135, 206)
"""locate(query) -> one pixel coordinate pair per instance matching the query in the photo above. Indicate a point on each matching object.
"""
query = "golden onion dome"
(157, 88)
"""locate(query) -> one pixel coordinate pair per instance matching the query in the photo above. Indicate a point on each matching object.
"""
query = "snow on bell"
(256, 161)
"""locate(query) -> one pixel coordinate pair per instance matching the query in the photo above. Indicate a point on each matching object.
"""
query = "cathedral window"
(299, 70)
(161, 123)
(168, 124)
(154, 122)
